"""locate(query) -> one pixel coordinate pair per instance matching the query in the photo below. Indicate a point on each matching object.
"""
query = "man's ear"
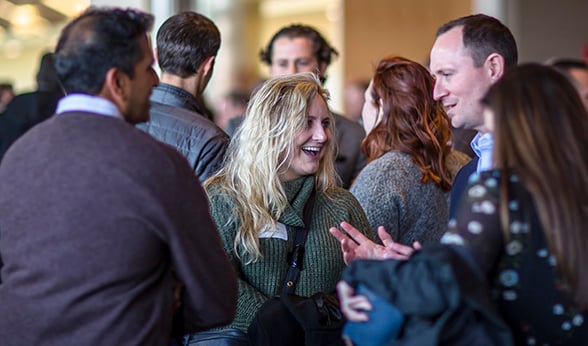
(115, 88)
(494, 66)
(208, 65)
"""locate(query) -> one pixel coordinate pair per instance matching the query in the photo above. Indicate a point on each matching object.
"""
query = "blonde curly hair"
(261, 149)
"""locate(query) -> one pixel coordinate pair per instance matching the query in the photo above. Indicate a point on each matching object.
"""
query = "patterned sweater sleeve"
(477, 223)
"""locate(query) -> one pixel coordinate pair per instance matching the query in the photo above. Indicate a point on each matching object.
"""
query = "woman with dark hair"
(525, 221)
(405, 186)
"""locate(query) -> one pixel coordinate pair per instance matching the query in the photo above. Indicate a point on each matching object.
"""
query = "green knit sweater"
(323, 260)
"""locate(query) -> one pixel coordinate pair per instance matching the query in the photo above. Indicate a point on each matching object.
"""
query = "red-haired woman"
(405, 186)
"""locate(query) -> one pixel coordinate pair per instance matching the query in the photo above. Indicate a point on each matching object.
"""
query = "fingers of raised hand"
(353, 232)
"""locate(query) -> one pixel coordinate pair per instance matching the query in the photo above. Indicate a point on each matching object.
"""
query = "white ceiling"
(15, 13)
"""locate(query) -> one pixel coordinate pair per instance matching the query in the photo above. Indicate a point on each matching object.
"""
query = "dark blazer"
(24, 112)
(459, 185)
(349, 160)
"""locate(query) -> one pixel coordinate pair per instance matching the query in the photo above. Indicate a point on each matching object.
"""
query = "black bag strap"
(297, 253)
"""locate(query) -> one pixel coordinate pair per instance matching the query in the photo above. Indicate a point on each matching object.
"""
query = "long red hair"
(411, 121)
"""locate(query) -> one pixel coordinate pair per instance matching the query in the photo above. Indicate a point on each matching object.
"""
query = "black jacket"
(176, 119)
(24, 112)
(443, 296)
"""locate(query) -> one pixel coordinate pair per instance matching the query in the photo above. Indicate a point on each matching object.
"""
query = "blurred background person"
(354, 98)
(28, 109)
(232, 105)
(6, 95)
(405, 185)
(576, 71)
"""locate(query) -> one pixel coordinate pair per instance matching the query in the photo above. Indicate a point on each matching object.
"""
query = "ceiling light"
(25, 16)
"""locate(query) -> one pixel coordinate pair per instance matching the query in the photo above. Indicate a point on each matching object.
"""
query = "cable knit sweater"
(391, 193)
(323, 260)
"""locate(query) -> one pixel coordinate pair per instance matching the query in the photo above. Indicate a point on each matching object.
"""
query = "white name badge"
(279, 232)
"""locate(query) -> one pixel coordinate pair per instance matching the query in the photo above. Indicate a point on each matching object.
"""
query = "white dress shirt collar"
(88, 103)
(482, 145)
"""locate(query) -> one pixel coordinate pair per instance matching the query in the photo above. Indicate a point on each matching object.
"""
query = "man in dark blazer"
(469, 55)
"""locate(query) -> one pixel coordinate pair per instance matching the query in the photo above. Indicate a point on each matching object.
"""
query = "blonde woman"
(282, 151)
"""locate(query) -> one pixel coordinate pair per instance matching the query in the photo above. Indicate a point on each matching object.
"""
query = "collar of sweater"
(297, 191)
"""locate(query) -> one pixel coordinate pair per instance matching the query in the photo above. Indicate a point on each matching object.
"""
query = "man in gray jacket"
(187, 45)
(301, 48)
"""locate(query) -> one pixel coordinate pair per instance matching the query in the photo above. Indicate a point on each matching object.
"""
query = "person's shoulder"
(234, 123)
(24, 96)
(459, 157)
(391, 163)
(219, 198)
(394, 157)
(389, 174)
(338, 197)
(20, 103)
(466, 171)
(183, 122)
(151, 146)
(456, 160)
(213, 189)
(336, 191)
(181, 117)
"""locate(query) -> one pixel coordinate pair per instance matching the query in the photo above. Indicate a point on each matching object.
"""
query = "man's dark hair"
(185, 41)
(97, 40)
(484, 35)
(323, 51)
(47, 76)
(566, 64)
(6, 87)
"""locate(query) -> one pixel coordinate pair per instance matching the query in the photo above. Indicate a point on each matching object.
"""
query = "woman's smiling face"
(310, 144)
